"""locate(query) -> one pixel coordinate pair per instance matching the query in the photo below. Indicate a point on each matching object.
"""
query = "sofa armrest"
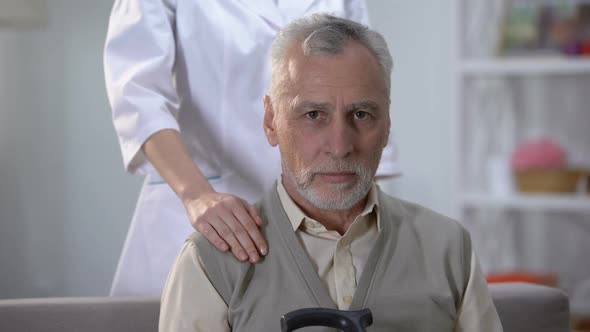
(87, 314)
(526, 307)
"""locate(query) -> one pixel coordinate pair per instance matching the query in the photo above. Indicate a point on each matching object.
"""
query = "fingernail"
(254, 259)
(263, 250)
(243, 257)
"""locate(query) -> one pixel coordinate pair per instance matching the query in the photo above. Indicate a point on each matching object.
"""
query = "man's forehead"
(350, 48)
(319, 90)
(355, 65)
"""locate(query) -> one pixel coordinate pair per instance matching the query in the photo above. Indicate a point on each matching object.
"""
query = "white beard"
(344, 195)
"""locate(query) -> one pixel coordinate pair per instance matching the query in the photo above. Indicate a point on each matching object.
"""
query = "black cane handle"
(347, 321)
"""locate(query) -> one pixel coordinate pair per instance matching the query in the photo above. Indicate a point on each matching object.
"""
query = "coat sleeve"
(139, 58)
(357, 11)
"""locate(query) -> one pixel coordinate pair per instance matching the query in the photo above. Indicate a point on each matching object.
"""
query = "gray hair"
(327, 34)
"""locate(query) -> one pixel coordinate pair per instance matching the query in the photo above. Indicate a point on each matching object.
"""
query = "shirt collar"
(297, 217)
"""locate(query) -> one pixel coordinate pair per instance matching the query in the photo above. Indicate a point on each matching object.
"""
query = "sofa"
(521, 307)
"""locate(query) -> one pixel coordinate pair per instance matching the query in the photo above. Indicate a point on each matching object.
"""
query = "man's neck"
(336, 220)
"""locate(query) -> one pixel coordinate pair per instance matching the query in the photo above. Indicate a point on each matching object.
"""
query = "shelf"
(563, 202)
(546, 65)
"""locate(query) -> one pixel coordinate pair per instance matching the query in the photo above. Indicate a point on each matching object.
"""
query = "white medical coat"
(200, 67)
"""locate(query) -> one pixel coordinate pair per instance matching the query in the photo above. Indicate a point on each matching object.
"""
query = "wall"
(65, 202)
(419, 34)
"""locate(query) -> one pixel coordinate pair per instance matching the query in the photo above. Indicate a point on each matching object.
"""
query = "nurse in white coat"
(185, 79)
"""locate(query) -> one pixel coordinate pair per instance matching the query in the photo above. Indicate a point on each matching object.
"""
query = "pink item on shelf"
(540, 154)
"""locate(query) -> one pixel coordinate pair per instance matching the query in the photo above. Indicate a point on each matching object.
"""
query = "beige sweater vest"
(414, 278)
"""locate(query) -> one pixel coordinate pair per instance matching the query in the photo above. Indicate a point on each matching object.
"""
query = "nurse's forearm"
(166, 151)
(228, 221)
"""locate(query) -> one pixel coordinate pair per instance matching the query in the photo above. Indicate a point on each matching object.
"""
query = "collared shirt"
(338, 259)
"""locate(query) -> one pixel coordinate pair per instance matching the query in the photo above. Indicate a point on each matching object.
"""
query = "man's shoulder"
(417, 215)
(195, 237)
(210, 256)
(198, 240)
(443, 239)
(268, 202)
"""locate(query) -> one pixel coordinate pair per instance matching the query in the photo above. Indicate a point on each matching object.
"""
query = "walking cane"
(346, 321)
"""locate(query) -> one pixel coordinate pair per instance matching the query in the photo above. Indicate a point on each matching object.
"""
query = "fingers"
(250, 219)
(211, 235)
(229, 222)
(255, 214)
(222, 236)
(242, 230)
(229, 234)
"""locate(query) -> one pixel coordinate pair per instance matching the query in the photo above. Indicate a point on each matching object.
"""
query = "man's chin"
(335, 179)
(340, 188)
(333, 197)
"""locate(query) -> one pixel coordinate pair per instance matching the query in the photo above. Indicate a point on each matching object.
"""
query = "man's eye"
(360, 115)
(313, 115)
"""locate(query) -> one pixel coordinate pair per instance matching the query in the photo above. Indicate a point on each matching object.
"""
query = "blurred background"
(490, 109)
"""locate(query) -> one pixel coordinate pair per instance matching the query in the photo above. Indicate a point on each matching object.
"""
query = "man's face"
(331, 125)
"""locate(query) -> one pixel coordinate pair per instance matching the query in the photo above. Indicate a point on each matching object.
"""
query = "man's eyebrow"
(308, 104)
(364, 105)
(315, 105)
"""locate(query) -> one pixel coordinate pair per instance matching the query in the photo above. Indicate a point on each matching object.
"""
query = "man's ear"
(269, 122)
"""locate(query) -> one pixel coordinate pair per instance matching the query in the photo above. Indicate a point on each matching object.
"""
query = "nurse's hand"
(228, 222)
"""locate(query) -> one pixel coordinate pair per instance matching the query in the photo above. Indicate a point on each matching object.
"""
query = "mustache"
(335, 165)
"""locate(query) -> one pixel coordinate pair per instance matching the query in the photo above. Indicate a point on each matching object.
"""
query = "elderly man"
(335, 239)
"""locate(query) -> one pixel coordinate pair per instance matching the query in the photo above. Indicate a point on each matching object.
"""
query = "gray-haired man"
(335, 240)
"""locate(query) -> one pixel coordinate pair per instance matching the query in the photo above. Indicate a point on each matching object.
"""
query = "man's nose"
(340, 138)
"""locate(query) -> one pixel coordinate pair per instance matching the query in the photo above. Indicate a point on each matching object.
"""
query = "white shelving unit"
(500, 102)
(520, 68)
(517, 66)
(534, 202)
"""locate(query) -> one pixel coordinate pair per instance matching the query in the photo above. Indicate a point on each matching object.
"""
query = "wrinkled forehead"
(355, 72)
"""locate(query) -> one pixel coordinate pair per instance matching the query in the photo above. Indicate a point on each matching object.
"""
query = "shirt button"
(347, 299)
(309, 224)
